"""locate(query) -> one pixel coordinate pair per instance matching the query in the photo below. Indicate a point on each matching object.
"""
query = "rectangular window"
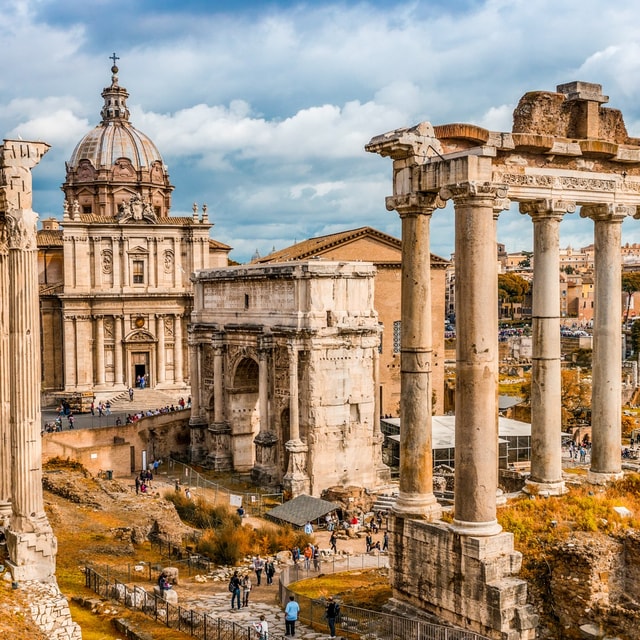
(138, 272)
(397, 325)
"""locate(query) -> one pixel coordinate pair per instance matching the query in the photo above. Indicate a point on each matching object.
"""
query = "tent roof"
(302, 509)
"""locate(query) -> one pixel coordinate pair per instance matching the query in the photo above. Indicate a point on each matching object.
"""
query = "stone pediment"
(140, 336)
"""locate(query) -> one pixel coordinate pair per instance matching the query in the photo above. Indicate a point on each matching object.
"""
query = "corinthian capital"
(547, 208)
(474, 190)
(417, 202)
(608, 212)
(21, 229)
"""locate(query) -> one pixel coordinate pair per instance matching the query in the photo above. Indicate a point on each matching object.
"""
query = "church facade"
(115, 289)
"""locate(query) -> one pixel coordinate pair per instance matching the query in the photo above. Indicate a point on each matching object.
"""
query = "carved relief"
(168, 261)
(107, 261)
(86, 172)
(137, 209)
(108, 328)
(169, 325)
(207, 361)
(123, 170)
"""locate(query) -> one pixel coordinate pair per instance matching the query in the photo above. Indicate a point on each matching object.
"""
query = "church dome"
(115, 162)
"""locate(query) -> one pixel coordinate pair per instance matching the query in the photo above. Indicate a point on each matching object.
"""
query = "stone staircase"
(384, 502)
(148, 399)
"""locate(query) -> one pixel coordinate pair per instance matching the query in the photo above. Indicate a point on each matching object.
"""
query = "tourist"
(308, 528)
(258, 566)
(137, 485)
(295, 555)
(333, 542)
(234, 588)
(246, 589)
(130, 394)
(332, 611)
(187, 493)
(308, 554)
(269, 571)
(368, 542)
(163, 585)
(143, 487)
(385, 541)
(316, 559)
(262, 628)
(290, 616)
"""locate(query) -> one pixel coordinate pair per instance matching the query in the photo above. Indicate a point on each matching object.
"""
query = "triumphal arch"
(565, 151)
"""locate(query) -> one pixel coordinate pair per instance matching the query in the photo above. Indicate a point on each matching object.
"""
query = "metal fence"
(254, 503)
(195, 623)
(362, 623)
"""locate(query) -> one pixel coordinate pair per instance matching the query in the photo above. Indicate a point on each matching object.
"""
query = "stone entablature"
(287, 362)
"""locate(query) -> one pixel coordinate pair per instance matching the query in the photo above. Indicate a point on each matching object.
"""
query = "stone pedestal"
(219, 447)
(197, 443)
(32, 554)
(468, 581)
(265, 470)
(296, 481)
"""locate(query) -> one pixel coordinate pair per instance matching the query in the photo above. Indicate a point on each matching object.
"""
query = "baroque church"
(114, 276)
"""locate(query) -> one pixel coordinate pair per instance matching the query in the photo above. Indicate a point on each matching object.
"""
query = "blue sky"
(262, 109)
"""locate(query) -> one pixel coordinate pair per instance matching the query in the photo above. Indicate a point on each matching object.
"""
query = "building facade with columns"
(565, 151)
(385, 252)
(115, 291)
(284, 371)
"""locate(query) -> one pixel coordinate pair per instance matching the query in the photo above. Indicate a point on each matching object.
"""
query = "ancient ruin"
(30, 540)
(284, 362)
(565, 150)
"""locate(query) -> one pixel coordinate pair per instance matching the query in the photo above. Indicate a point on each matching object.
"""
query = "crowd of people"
(179, 406)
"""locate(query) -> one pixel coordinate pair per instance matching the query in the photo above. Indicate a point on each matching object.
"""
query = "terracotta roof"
(49, 238)
(92, 218)
(317, 246)
(216, 244)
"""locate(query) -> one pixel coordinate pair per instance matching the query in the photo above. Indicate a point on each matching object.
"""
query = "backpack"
(232, 586)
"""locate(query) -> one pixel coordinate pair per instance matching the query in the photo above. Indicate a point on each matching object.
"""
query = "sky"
(261, 109)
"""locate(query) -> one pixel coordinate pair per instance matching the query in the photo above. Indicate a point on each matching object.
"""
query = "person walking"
(333, 542)
(308, 554)
(234, 588)
(130, 394)
(269, 571)
(290, 616)
(385, 541)
(262, 628)
(332, 611)
(246, 589)
(258, 566)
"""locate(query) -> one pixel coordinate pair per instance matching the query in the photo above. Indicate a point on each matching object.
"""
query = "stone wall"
(120, 448)
(50, 611)
(595, 580)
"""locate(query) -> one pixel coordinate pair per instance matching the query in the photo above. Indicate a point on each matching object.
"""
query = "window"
(246, 300)
(138, 272)
(397, 325)
(86, 208)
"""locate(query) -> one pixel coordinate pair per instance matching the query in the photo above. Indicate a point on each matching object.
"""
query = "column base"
(218, 455)
(32, 556)
(477, 529)
(544, 489)
(296, 481)
(601, 477)
(420, 505)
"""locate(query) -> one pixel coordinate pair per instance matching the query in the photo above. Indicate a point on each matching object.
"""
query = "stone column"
(416, 449)
(99, 328)
(196, 381)
(70, 368)
(5, 378)
(476, 433)
(606, 389)
(120, 376)
(546, 382)
(218, 382)
(178, 372)
(30, 540)
(197, 422)
(296, 481)
(160, 373)
(264, 471)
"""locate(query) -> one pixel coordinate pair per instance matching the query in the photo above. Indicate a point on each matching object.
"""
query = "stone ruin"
(30, 541)
(565, 150)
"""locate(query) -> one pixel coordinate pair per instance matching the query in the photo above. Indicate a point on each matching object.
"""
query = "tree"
(630, 285)
(512, 288)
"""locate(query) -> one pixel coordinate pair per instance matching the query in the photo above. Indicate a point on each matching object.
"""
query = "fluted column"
(218, 382)
(161, 365)
(264, 349)
(476, 432)
(70, 359)
(606, 400)
(120, 376)
(195, 353)
(178, 374)
(99, 329)
(5, 379)
(30, 540)
(264, 471)
(296, 481)
(416, 449)
(546, 382)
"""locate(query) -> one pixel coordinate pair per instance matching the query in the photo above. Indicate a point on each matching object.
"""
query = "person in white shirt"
(262, 628)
